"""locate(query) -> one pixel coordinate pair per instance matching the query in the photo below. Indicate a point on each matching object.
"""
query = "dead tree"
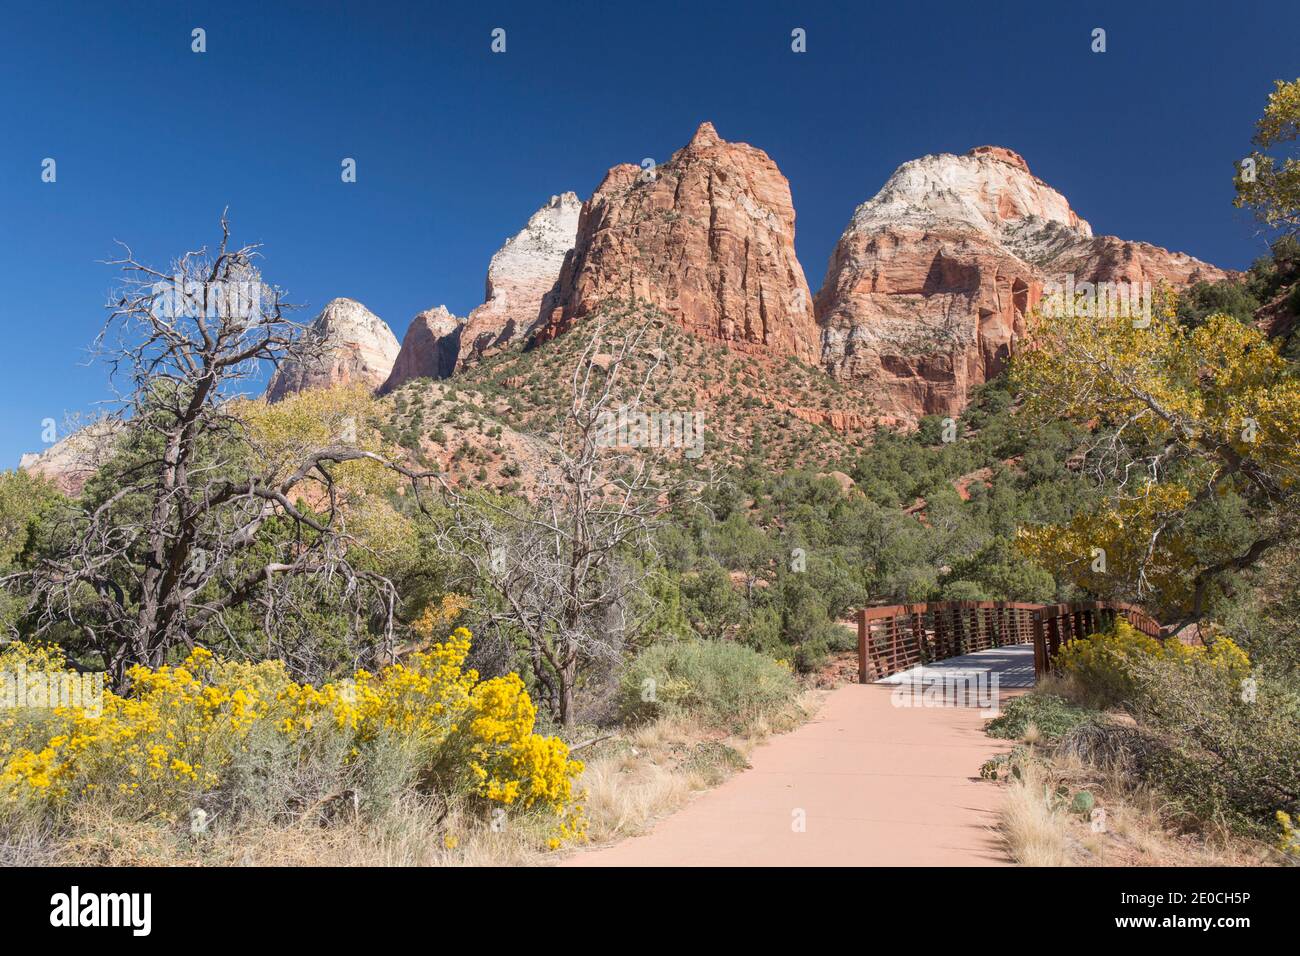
(565, 566)
(173, 534)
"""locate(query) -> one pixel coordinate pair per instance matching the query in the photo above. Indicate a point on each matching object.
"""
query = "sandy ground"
(865, 782)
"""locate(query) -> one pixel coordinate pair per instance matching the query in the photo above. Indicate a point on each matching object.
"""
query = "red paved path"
(877, 784)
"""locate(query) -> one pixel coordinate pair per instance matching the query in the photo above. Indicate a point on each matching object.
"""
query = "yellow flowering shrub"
(439, 619)
(171, 736)
(1288, 842)
(1106, 664)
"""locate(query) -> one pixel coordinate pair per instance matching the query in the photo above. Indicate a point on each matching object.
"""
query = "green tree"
(713, 605)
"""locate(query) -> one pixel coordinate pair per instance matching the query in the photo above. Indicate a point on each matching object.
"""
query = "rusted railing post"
(1040, 643)
(862, 646)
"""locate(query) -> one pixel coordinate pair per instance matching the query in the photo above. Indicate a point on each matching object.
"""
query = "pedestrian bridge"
(1018, 641)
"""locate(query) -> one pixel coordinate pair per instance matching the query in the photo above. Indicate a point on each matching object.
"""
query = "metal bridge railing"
(900, 636)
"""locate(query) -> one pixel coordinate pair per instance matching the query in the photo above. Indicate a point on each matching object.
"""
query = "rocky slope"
(474, 427)
(708, 239)
(352, 344)
(520, 275)
(1279, 317)
(429, 348)
(930, 284)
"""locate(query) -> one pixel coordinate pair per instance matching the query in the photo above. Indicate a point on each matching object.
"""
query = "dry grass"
(1034, 834)
(412, 831)
(1139, 828)
(655, 769)
(638, 782)
(1141, 825)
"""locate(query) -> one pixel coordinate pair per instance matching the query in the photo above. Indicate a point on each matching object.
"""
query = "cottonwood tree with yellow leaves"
(1194, 436)
(1269, 187)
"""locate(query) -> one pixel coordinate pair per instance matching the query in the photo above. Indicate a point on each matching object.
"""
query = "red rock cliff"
(709, 239)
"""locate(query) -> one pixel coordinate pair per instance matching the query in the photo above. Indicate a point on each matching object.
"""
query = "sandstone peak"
(439, 314)
(705, 135)
(707, 237)
(986, 190)
(72, 461)
(349, 344)
(519, 277)
(429, 348)
(935, 277)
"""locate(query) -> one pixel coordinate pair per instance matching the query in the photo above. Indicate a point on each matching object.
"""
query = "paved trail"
(877, 784)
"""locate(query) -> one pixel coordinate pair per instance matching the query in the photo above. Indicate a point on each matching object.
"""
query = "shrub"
(712, 604)
(762, 632)
(1106, 666)
(1111, 746)
(1224, 752)
(1053, 716)
(963, 591)
(725, 683)
(1224, 747)
(211, 730)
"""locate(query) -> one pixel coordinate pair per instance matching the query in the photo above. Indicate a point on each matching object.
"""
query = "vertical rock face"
(429, 348)
(709, 239)
(350, 344)
(521, 274)
(930, 284)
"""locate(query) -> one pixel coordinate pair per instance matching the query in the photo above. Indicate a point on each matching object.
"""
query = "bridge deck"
(1014, 667)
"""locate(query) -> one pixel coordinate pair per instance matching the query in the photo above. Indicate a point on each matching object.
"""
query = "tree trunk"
(567, 677)
(567, 716)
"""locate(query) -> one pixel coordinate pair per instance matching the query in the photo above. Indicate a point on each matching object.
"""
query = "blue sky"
(456, 146)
